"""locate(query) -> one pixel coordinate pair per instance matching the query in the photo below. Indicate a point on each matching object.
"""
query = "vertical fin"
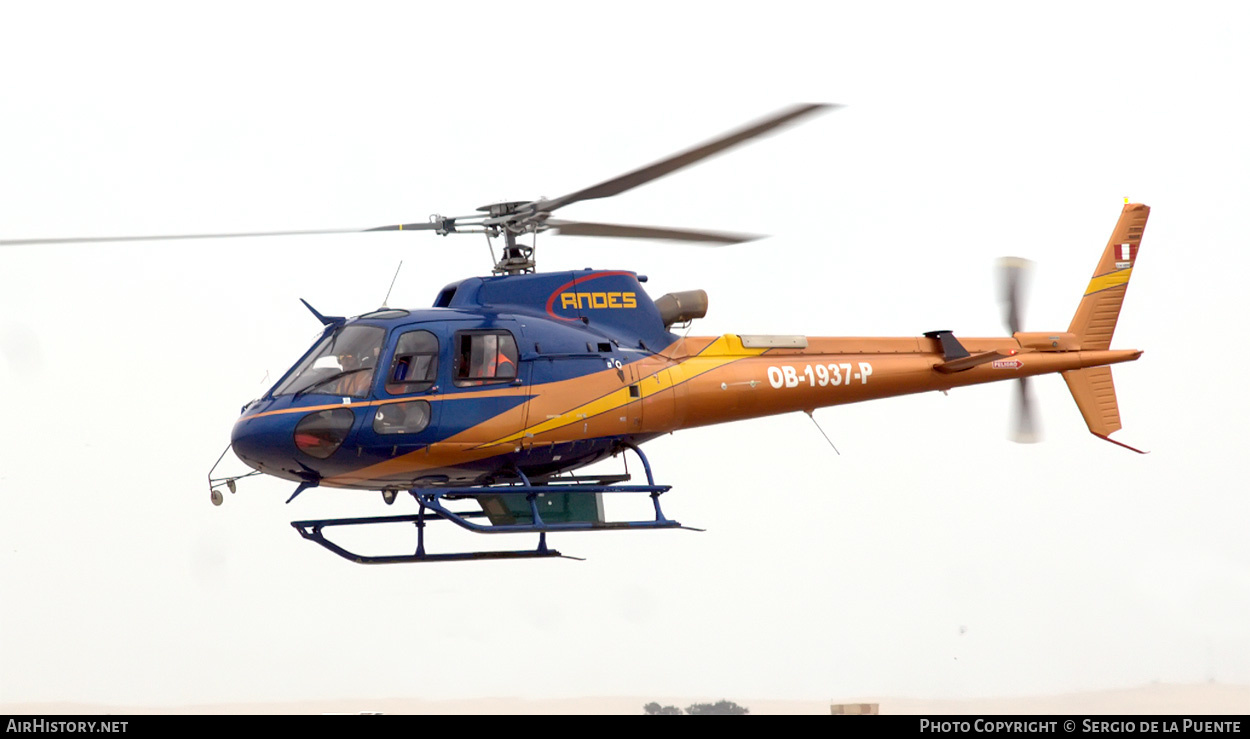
(1096, 316)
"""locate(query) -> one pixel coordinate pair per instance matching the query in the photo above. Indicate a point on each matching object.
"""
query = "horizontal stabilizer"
(968, 362)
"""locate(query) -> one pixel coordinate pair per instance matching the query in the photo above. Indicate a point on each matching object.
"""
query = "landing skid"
(312, 530)
(432, 502)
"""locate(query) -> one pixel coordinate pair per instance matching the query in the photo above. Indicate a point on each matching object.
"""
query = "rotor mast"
(511, 219)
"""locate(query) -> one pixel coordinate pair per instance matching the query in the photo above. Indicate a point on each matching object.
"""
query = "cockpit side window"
(484, 357)
(415, 366)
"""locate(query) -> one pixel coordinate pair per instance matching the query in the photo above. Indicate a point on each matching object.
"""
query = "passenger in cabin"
(499, 365)
(488, 357)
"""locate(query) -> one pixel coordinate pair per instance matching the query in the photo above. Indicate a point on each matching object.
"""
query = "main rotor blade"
(429, 226)
(173, 237)
(612, 230)
(641, 176)
(1013, 273)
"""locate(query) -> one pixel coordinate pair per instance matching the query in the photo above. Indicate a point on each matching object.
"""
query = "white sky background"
(933, 558)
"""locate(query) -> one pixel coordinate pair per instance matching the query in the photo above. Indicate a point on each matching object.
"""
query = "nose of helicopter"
(262, 444)
(289, 445)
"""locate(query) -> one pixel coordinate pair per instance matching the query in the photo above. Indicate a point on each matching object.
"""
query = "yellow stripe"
(724, 350)
(595, 407)
(1111, 279)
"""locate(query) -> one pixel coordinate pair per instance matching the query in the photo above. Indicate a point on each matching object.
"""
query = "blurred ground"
(1210, 698)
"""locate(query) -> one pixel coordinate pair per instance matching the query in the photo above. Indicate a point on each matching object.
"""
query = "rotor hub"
(507, 208)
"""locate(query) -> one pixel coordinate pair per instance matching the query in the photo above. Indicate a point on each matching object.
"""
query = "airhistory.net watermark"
(46, 726)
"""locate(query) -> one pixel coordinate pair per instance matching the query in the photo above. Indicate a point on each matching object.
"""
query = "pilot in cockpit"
(356, 367)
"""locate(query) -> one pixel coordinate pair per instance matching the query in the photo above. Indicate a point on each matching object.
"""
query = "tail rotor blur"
(1013, 278)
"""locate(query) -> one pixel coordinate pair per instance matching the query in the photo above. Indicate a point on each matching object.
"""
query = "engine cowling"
(682, 307)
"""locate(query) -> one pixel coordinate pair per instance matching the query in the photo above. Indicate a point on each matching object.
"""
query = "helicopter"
(484, 406)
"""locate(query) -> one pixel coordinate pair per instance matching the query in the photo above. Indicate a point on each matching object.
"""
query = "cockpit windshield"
(341, 364)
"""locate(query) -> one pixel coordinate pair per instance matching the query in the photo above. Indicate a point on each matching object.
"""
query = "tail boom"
(842, 371)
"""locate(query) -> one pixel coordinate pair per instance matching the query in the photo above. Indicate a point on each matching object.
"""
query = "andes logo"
(583, 301)
(568, 297)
